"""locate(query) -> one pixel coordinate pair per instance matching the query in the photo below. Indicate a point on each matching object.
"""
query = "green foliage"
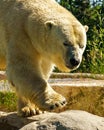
(8, 101)
(91, 14)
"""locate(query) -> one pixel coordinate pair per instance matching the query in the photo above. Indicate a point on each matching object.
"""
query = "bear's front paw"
(56, 101)
(28, 111)
(53, 102)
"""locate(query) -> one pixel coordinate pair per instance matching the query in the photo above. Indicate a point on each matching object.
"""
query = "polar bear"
(35, 36)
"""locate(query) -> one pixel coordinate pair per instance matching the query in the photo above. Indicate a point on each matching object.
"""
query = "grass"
(8, 101)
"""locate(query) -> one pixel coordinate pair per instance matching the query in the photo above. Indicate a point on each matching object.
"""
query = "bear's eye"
(66, 44)
(81, 46)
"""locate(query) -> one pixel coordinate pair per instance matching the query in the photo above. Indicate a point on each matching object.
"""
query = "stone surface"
(68, 120)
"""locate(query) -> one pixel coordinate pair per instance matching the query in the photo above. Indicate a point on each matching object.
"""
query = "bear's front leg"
(42, 96)
(24, 71)
(34, 88)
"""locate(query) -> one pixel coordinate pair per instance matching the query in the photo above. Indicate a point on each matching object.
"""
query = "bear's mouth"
(71, 67)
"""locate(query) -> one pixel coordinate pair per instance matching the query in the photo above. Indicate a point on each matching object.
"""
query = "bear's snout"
(74, 62)
(73, 58)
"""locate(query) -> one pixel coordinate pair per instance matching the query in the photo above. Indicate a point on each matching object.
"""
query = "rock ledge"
(68, 120)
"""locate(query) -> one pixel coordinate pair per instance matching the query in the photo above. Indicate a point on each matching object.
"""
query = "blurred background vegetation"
(91, 13)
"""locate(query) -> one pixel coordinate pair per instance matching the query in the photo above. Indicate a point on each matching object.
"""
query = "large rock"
(68, 120)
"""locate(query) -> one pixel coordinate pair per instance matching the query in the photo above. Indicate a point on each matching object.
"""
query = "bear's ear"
(86, 28)
(49, 24)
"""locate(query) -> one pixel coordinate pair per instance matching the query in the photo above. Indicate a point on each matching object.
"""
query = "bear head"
(66, 42)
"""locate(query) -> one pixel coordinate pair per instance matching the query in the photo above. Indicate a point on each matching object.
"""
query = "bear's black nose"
(74, 62)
